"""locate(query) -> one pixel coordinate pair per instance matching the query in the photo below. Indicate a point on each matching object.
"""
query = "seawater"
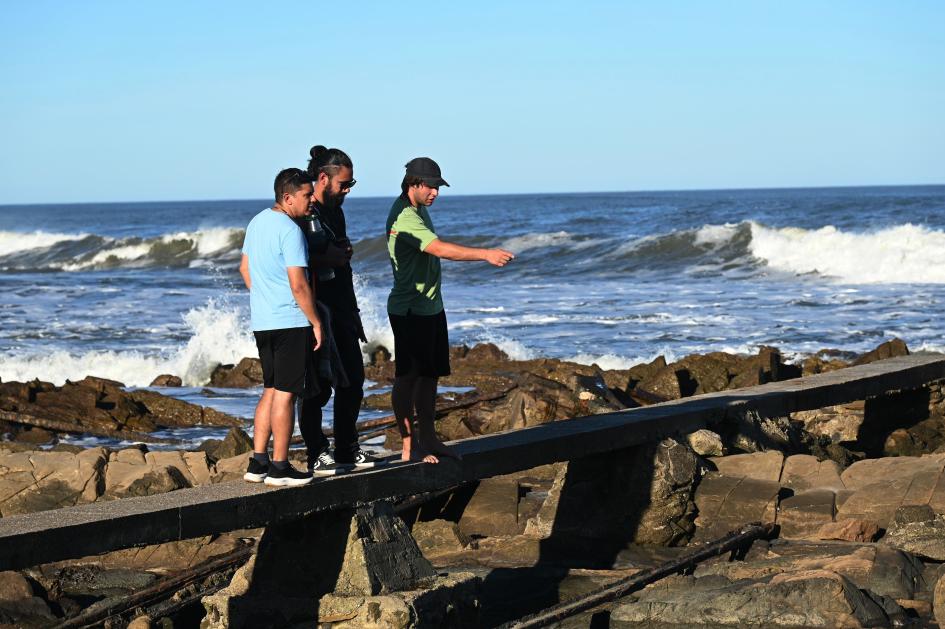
(132, 290)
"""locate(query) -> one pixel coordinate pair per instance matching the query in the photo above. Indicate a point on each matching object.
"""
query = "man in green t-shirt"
(415, 307)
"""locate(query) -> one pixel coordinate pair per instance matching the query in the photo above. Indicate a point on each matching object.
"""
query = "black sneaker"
(323, 465)
(256, 472)
(288, 477)
(363, 460)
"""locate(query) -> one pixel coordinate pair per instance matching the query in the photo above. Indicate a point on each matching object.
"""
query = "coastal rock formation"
(813, 598)
(247, 373)
(97, 406)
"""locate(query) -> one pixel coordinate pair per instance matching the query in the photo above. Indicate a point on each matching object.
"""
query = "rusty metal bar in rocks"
(613, 591)
(99, 527)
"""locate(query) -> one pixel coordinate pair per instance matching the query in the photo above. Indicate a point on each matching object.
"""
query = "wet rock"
(379, 355)
(236, 442)
(177, 413)
(245, 374)
(706, 443)
(889, 349)
(849, 530)
(815, 598)
(167, 380)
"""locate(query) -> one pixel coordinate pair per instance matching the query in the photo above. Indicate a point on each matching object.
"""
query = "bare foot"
(437, 447)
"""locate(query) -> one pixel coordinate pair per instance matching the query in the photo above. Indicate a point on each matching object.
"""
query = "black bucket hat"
(427, 170)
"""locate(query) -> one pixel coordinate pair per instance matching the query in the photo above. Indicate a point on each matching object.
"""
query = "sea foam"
(901, 254)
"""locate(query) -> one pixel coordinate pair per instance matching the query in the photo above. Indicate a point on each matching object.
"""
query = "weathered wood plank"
(30, 539)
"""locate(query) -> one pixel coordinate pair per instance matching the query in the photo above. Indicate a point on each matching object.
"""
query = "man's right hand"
(498, 257)
(317, 331)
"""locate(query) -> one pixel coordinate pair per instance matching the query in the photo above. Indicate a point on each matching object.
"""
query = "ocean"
(129, 291)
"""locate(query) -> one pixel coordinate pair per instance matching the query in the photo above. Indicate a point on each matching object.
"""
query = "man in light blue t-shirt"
(284, 321)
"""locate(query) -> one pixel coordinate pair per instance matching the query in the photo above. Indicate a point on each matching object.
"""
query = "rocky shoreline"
(857, 492)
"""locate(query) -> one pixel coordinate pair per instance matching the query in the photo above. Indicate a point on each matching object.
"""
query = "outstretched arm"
(452, 251)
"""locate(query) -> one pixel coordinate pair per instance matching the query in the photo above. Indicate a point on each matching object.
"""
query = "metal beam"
(99, 527)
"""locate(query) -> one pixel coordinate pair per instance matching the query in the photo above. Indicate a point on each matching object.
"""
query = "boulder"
(803, 472)
(177, 413)
(917, 529)
(19, 605)
(38, 480)
(756, 465)
(641, 495)
(849, 530)
(229, 469)
(124, 480)
(889, 349)
(881, 486)
(236, 442)
(802, 515)
(439, 540)
(246, 374)
(837, 423)
(727, 503)
(886, 571)
(814, 598)
(167, 380)
(706, 443)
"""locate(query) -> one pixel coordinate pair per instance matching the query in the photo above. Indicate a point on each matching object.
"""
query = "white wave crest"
(519, 244)
(896, 255)
(16, 242)
(714, 235)
(211, 241)
(219, 334)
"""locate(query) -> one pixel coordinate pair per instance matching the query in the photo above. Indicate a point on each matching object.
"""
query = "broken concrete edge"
(95, 528)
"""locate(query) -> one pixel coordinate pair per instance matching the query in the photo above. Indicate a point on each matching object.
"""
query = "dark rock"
(19, 605)
(380, 355)
(727, 503)
(247, 373)
(235, 443)
(174, 412)
(167, 380)
(889, 349)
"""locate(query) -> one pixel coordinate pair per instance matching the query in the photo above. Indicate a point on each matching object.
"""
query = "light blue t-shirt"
(273, 243)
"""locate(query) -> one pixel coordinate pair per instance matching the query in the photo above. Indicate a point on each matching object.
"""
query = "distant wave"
(79, 252)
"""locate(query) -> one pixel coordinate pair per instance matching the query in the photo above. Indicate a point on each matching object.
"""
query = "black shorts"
(286, 357)
(421, 345)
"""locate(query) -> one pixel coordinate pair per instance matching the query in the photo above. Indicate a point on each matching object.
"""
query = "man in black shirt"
(330, 269)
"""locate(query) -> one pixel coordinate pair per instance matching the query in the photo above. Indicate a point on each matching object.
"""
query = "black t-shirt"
(336, 293)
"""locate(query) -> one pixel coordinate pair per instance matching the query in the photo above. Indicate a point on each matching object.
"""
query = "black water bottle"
(318, 241)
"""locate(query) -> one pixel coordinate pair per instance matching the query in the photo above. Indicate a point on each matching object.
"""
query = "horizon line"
(509, 194)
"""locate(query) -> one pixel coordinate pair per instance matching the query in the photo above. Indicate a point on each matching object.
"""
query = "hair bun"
(317, 151)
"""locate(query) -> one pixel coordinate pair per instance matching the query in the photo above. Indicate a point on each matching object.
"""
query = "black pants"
(347, 399)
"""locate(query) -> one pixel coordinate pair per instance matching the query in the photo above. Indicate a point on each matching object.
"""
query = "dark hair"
(288, 181)
(326, 161)
(409, 180)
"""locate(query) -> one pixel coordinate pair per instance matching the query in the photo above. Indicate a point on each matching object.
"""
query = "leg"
(347, 399)
(310, 421)
(282, 419)
(401, 398)
(261, 425)
(425, 401)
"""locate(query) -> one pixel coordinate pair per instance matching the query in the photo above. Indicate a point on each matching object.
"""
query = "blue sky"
(124, 101)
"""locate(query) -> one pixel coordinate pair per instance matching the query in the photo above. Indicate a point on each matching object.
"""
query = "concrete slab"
(27, 540)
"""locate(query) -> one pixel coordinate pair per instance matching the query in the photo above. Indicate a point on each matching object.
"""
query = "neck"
(278, 208)
(412, 200)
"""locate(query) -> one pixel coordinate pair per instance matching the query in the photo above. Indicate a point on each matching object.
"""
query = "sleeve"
(410, 224)
(294, 250)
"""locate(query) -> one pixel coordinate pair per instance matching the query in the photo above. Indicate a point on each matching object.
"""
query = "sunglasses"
(347, 185)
